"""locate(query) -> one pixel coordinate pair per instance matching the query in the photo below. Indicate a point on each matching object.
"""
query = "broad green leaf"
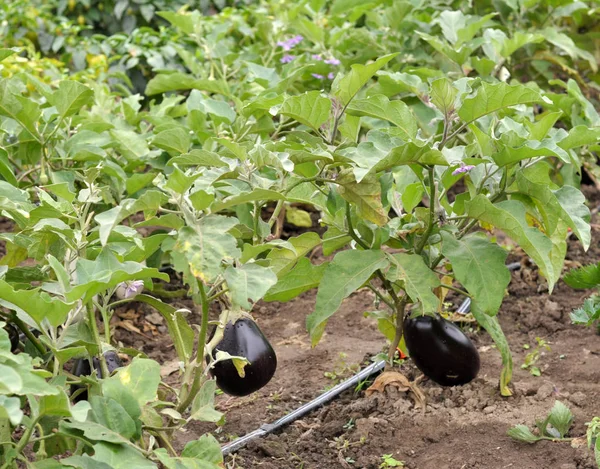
(579, 136)
(131, 145)
(105, 272)
(282, 260)
(566, 203)
(493, 328)
(205, 448)
(303, 277)
(6, 170)
(346, 87)
(584, 277)
(141, 377)
(10, 408)
(121, 457)
(380, 107)
(310, 109)
(25, 111)
(57, 404)
(298, 217)
(365, 196)
(255, 195)
(110, 414)
(510, 217)
(530, 149)
(197, 157)
(522, 433)
(417, 278)
(494, 97)
(174, 141)
(207, 246)
(561, 418)
(177, 81)
(38, 304)
(203, 406)
(443, 95)
(348, 271)
(248, 282)
(71, 97)
(564, 42)
(480, 266)
(179, 181)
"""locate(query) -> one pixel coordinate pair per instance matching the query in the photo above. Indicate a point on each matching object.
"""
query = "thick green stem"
(96, 335)
(400, 307)
(26, 436)
(189, 392)
(432, 199)
(34, 340)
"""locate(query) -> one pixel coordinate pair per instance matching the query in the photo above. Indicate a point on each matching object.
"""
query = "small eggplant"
(244, 339)
(441, 350)
(82, 368)
(13, 335)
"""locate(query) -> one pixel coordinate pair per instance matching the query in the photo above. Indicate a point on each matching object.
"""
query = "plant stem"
(26, 436)
(400, 307)
(425, 238)
(96, 335)
(34, 340)
(187, 396)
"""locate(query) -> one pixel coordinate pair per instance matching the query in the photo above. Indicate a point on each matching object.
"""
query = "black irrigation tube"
(324, 398)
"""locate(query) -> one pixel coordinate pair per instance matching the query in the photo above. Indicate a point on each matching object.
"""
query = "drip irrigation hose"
(324, 398)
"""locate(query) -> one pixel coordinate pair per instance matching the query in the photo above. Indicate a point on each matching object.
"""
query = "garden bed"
(463, 427)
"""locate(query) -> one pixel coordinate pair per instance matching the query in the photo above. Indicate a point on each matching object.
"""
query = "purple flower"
(331, 75)
(332, 61)
(317, 57)
(318, 76)
(129, 289)
(462, 169)
(288, 44)
(287, 58)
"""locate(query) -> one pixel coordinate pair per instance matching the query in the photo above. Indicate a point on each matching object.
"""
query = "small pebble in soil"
(578, 398)
(489, 409)
(545, 391)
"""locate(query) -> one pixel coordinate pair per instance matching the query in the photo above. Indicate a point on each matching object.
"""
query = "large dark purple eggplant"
(441, 350)
(244, 339)
(82, 368)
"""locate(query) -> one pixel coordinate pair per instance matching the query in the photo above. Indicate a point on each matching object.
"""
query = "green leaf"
(174, 141)
(255, 195)
(298, 217)
(205, 448)
(522, 433)
(493, 328)
(584, 277)
(141, 377)
(105, 272)
(510, 217)
(310, 109)
(121, 457)
(564, 42)
(25, 111)
(71, 97)
(203, 406)
(417, 278)
(57, 404)
(39, 305)
(443, 95)
(566, 203)
(248, 282)
(207, 246)
(303, 277)
(494, 97)
(380, 107)
(365, 196)
(10, 408)
(348, 271)
(110, 414)
(282, 260)
(177, 81)
(346, 87)
(480, 266)
(561, 418)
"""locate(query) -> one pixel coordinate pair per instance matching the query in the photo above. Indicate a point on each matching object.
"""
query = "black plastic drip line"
(324, 398)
